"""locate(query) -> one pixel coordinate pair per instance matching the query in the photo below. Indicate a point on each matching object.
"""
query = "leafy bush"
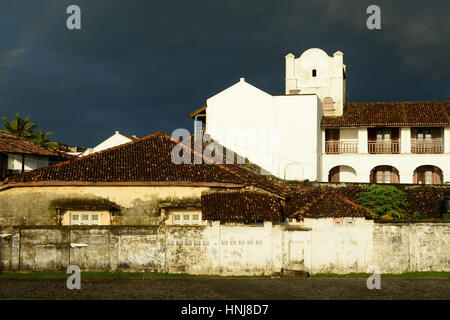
(384, 201)
(418, 216)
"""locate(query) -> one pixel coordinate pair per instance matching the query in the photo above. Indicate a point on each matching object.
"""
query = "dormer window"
(314, 72)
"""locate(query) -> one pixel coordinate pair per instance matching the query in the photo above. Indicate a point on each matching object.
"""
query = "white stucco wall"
(31, 162)
(279, 133)
(339, 245)
(115, 140)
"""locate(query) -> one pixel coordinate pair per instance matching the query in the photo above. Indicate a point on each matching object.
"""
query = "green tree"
(384, 200)
(41, 138)
(24, 128)
(19, 127)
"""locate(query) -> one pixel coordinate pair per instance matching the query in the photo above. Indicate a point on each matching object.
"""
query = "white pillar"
(268, 244)
(323, 141)
(362, 176)
(214, 247)
(406, 176)
(405, 140)
(447, 140)
(291, 82)
(362, 140)
(446, 177)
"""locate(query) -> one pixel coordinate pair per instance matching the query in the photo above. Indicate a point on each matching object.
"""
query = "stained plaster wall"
(138, 205)
(260, 249)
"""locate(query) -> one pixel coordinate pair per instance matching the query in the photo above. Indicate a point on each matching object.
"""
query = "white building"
(115, 140)
(312, 133)
(19, 155)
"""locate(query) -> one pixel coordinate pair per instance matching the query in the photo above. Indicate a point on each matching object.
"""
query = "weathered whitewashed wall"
(411, 247)
(319, 246)
(339, 245)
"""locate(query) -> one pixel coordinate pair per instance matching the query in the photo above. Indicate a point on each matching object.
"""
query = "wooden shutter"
(395, 178)
(332, 135)
(395, 133)
(437, 179)
(334, 175)
(416, 177)
(3, 161)
(372, 134)
(373, 176)
(435, 133)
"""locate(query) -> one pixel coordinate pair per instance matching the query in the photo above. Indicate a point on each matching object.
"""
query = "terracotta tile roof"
(241, 206)
(395, 114)
(323, 203)
(12, 144)
(147, 159)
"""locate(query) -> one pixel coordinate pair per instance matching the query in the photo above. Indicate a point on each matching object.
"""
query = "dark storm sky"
(140, 66)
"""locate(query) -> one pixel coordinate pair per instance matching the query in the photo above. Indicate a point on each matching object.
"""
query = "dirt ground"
(211, 289)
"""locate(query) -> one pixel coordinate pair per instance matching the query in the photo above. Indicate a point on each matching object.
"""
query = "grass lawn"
(154, 275)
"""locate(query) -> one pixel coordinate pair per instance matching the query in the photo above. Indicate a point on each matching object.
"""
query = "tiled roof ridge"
(97, 153)
(332, 192)
(212, 161)
(352, 203)
(308, 205)
(240, 190)
(401, 113)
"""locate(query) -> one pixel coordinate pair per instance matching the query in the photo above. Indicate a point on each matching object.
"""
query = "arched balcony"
(342, 174)
(384, 174)
(427, 175)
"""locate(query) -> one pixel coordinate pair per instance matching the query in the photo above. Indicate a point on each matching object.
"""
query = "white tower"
(314, 72)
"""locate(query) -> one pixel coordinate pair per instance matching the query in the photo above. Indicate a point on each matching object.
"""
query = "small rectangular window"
(186, 218)
(379, 176)
(428, 177)
(314, 72)
(387, 177)
(85, 219)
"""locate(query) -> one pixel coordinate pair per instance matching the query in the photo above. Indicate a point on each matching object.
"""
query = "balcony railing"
(385, 147)
(432, 146)
(339, 147)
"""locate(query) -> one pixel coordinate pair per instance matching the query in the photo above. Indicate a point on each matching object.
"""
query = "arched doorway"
(342, 174)
(427, 175)
(384, 174)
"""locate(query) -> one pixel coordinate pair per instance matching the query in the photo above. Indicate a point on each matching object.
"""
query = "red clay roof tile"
(12, 144)
(394, 114)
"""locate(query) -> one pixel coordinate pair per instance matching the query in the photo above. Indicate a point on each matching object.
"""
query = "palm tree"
(19, 127)
(41, 138)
